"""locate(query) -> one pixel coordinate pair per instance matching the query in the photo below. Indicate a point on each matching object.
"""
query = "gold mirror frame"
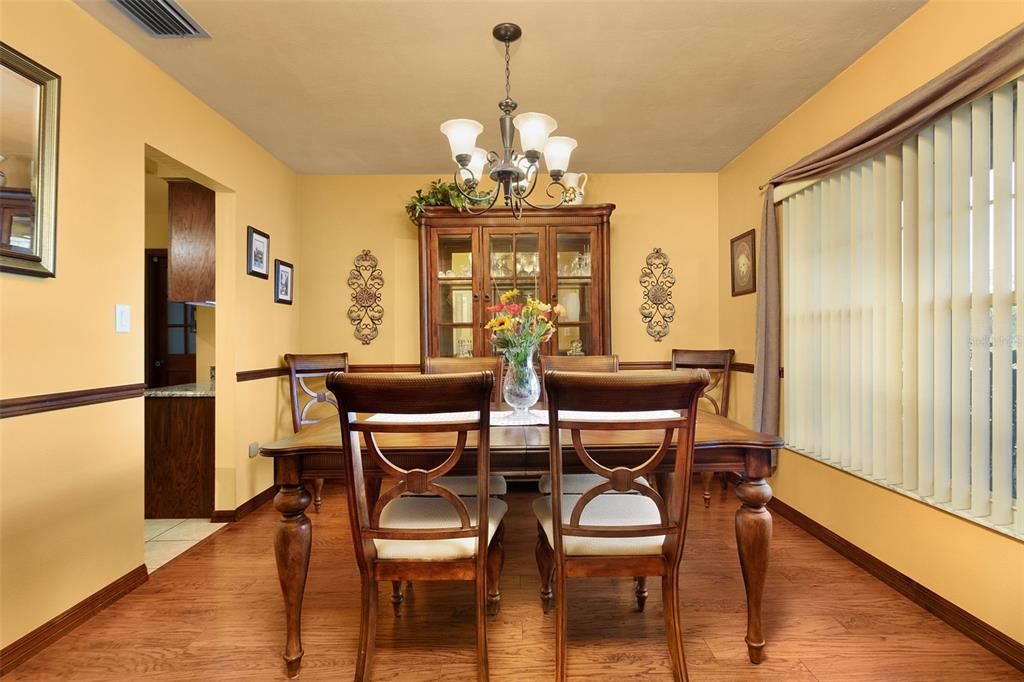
(43, 260)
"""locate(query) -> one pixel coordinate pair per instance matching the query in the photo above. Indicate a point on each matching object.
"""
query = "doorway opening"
(180, 340)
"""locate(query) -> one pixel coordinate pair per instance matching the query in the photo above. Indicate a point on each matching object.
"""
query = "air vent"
(161, 18)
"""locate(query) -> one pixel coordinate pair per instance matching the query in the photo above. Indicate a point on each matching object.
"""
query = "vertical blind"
(902, 282)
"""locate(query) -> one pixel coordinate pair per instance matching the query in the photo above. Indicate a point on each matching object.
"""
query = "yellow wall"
(342, 215)
(157, 230)
(206, 336)
(975, 568)
(71, 481)
(18, 170)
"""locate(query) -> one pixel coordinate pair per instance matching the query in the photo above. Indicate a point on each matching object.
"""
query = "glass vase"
(521, 388)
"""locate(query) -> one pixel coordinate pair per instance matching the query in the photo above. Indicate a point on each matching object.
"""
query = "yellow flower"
(543, 307)
(509, 296)
(500, 323)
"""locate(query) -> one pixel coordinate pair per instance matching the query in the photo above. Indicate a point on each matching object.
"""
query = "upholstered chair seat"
(607, 509)
(433, 512)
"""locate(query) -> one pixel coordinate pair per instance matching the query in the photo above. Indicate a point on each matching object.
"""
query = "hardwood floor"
(215, 613)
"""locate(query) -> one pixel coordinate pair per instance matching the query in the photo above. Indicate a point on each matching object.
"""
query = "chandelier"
(515, 174)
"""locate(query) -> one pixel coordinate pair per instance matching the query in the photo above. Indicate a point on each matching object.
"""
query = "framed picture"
(743, 259)
(257, 254)
(284, 281)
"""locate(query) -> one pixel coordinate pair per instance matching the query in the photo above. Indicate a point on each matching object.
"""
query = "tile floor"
(167, 538)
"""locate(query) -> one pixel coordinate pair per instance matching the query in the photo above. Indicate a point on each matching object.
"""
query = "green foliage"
(440, 194)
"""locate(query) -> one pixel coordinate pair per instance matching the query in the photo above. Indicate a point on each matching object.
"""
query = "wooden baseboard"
(244, 509)
(984, 634)
(19, 651)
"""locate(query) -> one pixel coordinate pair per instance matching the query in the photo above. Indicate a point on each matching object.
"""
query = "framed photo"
(257, 254)
(284, 281)
(743, 260)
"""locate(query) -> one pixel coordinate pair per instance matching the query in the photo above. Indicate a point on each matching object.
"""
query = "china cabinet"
(467, 262)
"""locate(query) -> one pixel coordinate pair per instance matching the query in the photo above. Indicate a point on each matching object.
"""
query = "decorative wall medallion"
(657, 280)
(366, 312)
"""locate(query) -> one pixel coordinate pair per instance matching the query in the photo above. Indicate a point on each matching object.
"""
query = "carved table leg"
(753, 537)
(291, 548)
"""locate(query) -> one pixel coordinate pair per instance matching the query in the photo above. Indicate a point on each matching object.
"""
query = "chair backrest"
(459, 365)
(576, 363)
(580, 363)
(718, 363)
(607, 395)
(307, 373)
(417, 394)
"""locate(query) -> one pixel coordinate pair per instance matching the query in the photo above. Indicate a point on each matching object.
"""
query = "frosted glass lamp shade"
(462, 134)
(529, 170)
(557, 152)
(477, 163)
(533, 130)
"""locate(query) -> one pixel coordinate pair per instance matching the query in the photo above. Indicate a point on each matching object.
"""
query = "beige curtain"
(983, 70)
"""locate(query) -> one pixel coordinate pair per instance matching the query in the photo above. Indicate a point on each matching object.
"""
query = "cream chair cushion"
(609, 509)
(465, 486)
(433, 512)
(578, 484)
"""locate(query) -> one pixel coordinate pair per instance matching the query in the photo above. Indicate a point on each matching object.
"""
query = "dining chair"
(600, 533)
(575, 483)
(466, 485)
(718, 363)
(306, 374)
(417, 537)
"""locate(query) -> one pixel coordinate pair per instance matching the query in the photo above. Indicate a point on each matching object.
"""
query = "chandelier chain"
(508, 72)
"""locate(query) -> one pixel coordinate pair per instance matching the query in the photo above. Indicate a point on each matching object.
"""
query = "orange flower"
(515, 308)
(496, 308)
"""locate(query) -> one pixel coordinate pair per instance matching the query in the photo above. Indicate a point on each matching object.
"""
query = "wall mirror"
(29, 112)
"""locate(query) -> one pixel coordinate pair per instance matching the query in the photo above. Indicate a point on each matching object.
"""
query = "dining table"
(521, 451)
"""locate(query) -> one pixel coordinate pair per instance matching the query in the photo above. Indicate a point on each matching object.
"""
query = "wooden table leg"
(291, 548)
(753, 537)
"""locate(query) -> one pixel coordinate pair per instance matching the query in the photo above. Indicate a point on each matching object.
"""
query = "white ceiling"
(360, 86)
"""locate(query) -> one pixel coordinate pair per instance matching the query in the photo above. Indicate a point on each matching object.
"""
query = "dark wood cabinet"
(191, 273)
(467, 262)
(179, 457)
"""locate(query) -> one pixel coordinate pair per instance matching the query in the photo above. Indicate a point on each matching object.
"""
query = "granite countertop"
(182, 391)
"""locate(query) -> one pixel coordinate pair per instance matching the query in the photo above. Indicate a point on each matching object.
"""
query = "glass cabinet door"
(513, 259)
(457, 313)
(575, 287)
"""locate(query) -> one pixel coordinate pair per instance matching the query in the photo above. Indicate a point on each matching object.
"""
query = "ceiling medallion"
(366, 312)
(515, 174)
(657, 279)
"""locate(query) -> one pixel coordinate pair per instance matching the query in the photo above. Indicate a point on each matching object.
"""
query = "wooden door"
(574, 270)
(454, 274)
(170, 329)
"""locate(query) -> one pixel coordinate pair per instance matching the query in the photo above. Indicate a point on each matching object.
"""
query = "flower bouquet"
(520, 324)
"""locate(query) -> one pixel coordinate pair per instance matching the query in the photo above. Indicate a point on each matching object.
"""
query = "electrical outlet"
(254, 449)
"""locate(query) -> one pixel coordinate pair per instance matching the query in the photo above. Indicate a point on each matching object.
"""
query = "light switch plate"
(122, 318)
